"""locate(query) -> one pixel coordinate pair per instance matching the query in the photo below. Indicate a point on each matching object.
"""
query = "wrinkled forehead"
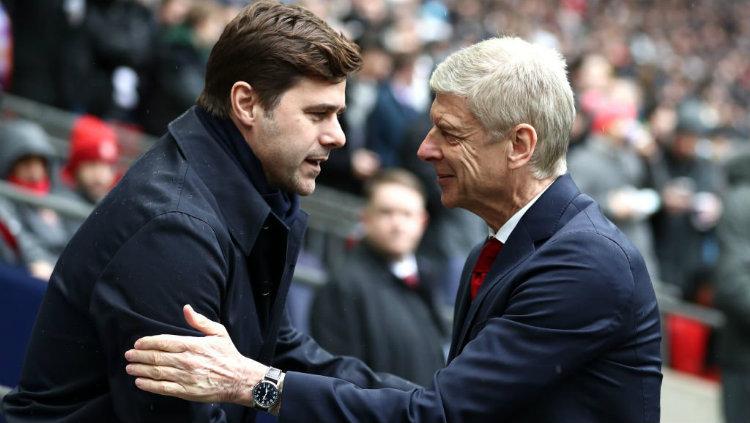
(452, 111)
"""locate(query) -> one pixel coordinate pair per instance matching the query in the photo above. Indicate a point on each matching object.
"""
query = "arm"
(564, 315)
(298, 352)
(334, 321)
(172, 259)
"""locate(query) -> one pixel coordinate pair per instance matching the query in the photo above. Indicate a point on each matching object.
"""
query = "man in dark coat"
(381, 305)
(209, 217)
(556, 319)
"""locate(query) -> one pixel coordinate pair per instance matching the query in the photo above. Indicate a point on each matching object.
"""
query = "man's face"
(30, 169)
(470, 165)
(394, 219)
(95, 178)
(296, 137)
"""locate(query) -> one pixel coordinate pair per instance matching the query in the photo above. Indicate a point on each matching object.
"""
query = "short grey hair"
(508, 81)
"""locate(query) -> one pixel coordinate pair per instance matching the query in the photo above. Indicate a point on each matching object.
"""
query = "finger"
(156, 358)
(161, 387)
(168, 343)
(203, 323)
(162, 373)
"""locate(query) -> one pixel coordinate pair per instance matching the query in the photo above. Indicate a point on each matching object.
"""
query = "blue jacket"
(565, 329)
(185, 225)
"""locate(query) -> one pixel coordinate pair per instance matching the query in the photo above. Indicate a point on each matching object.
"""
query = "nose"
(428, 150)
(334, 136)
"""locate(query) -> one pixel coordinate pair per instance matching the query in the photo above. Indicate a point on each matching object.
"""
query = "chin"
(305, 187)
(448, 201)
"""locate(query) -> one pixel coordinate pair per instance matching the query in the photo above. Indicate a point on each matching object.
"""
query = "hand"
(620, 204)
(204, 369)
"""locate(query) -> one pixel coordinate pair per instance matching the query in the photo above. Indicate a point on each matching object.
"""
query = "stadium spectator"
(685, 240)
(40, 233)
(91, 170)
(175, 77)
(733, 291)
(613, 167)
(350, 166)
(381, 304)
(398, 104)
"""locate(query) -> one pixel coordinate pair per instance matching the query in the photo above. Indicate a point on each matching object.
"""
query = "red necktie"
(412, 281)
(490, 250)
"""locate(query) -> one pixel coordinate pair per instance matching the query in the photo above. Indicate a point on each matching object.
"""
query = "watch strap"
(273, 374)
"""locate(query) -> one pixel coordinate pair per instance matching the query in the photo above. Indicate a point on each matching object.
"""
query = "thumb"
(203, 323)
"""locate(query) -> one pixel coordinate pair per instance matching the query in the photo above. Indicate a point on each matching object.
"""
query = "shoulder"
(576, 279)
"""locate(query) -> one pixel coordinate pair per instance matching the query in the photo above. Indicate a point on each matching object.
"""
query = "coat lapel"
(551, 211)
(516, 249)
(463, 301)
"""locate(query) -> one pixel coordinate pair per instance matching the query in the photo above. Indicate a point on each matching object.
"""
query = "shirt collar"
(504, 232)
(404, 267)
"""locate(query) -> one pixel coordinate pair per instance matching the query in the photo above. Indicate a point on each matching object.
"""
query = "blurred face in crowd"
(683, 145)
(294, 139)
(95, 178)
(394, 219)
(471, 166)
(30, 169)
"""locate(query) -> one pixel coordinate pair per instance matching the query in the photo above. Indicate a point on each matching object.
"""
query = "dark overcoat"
(367, 312)
(184, 226)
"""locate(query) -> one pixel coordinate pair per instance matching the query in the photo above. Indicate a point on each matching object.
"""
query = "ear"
(522, 145)
(245, 103)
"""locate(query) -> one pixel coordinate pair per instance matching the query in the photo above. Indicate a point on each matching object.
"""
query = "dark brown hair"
(397, 177)
(271, 46)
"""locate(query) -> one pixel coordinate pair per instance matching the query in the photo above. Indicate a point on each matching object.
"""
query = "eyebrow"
(325, 107)
(444, 124)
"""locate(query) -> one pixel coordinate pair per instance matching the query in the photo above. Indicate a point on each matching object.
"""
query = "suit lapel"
(463, 301)
(551, 211)
(516, 249)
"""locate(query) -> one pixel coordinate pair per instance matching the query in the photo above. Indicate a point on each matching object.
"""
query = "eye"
(318, 116)
(452, 139)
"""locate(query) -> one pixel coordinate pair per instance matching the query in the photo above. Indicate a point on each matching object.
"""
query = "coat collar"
(551, 212)
(243, 208)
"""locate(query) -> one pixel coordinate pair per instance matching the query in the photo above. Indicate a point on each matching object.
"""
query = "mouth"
(316, 162)
(444, 178)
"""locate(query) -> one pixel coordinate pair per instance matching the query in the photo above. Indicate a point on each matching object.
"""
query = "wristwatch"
(266, 393)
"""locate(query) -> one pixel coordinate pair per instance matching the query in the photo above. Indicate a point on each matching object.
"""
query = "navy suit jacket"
(185, 225)
(565, 329)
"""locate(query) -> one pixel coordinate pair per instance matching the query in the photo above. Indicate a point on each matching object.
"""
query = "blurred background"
(660, 141)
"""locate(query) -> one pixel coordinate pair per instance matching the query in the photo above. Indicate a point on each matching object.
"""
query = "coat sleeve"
(563, 314)
(298, 352)
(172, 260)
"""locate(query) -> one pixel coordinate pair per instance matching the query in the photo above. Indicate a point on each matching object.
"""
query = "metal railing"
(63, 205)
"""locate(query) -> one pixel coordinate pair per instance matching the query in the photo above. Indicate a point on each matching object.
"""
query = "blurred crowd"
(662, 89)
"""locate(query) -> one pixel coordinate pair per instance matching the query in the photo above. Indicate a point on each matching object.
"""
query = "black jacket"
(367, 312)
(185, 225)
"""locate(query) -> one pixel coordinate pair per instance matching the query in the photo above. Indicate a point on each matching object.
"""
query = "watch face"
(265, 394)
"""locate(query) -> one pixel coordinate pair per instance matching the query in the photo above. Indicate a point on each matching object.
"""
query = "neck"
(520, 193)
